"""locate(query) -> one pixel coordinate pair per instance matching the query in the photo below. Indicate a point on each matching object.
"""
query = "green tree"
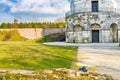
(15, 24)
(3, 25)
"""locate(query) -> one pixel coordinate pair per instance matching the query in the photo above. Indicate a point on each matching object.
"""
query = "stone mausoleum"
(93, 21)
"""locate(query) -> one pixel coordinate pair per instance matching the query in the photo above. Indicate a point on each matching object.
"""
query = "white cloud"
(56, 7)
(28, 10)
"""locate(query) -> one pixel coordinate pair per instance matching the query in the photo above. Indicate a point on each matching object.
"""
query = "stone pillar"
(119, 42)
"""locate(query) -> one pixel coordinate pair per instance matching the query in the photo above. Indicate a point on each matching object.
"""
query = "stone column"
(119, 42)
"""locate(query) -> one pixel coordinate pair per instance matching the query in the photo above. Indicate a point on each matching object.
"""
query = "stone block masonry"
(35, 33)
(93, 21)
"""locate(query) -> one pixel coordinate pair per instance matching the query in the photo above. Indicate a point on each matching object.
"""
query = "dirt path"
(106, 58)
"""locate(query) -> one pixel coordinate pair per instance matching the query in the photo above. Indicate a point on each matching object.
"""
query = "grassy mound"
(12, 35)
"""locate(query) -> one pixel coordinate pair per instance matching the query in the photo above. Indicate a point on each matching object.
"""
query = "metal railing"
(88, 10)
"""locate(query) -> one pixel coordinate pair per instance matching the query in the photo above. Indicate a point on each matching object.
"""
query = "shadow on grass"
(37, 59)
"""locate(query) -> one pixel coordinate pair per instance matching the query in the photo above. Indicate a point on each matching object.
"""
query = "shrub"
(6, 37)
(44, 39)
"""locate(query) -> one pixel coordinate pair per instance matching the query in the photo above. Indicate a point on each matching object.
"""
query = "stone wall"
(119, 34)
(32, 33)
(48, 31)
(78, 26)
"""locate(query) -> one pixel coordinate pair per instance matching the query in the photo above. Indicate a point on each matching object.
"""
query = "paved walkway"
(106, 56)
(83, 45)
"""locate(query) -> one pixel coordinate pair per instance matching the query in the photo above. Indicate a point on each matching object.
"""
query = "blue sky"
(33, 10)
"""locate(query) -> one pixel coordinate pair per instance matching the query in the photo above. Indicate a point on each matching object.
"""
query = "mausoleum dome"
(93, 6)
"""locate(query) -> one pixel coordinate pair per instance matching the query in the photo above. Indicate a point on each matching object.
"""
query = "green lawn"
(31, 55)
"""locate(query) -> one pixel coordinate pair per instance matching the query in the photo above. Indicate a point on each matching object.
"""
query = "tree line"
(15, 24)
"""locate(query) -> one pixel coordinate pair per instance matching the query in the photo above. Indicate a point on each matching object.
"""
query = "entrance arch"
(95, 32)
(114, 32)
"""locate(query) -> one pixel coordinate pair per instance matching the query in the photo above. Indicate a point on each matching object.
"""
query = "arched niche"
(77, 28)
(114, 32)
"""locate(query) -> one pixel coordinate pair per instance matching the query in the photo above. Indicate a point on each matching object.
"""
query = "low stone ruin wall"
(32, 33)
(55, 74)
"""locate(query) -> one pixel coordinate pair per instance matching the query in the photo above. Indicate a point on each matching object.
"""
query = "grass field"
(31, 55)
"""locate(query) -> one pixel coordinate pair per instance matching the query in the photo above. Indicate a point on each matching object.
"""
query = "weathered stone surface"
(59, 74)
(82, 21)
(106, 58)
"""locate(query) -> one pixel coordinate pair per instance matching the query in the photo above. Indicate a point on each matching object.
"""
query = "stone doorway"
(95, 33)
(95, 36)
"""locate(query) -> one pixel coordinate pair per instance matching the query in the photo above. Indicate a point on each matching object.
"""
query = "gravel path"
(106, 58)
